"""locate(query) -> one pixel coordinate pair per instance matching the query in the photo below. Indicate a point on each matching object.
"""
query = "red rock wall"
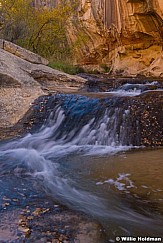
(118, 31)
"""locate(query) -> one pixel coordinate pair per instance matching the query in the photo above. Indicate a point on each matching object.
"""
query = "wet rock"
(146, 119)
(48, 225)
(143, 124)
(88, 232)
(29, 215)
(9, 225)
(105, 82)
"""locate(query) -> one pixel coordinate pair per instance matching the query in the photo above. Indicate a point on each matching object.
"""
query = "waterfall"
(75, 125)
(80, 120)
(72, 124)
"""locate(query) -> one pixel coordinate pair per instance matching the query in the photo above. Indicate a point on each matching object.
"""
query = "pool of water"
(130, 185)
(82, 157)
(123, 191)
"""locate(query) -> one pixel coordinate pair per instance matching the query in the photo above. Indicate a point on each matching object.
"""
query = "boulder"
(22, 53)
(22, 81)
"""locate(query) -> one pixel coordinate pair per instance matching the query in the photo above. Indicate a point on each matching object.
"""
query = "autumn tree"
(40, 29)
(15, 15)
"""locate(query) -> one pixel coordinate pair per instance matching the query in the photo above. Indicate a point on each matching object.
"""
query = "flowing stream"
(83, 157)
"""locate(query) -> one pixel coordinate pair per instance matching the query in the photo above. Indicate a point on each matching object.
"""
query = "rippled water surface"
(123, 191)
(131, 185)
(81, 157)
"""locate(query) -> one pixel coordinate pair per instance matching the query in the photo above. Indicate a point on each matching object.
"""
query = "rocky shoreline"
(25, 84)
(46, 221)
(23, 78)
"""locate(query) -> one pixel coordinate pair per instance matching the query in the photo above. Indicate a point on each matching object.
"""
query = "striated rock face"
(124, 34)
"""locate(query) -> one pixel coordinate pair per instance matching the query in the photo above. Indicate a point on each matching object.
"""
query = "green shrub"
(105, 68)
(66, 67)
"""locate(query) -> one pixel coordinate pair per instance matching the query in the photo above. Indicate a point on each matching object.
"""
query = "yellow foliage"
(42, 30)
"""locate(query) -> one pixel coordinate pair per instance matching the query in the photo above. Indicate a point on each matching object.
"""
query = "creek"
(84, 155)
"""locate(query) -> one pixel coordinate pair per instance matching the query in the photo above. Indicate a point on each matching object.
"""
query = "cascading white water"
(128, 89)
(76, 125)
(67, 132)
(80, 127)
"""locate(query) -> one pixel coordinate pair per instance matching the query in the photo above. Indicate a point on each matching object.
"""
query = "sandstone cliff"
(124, 34)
